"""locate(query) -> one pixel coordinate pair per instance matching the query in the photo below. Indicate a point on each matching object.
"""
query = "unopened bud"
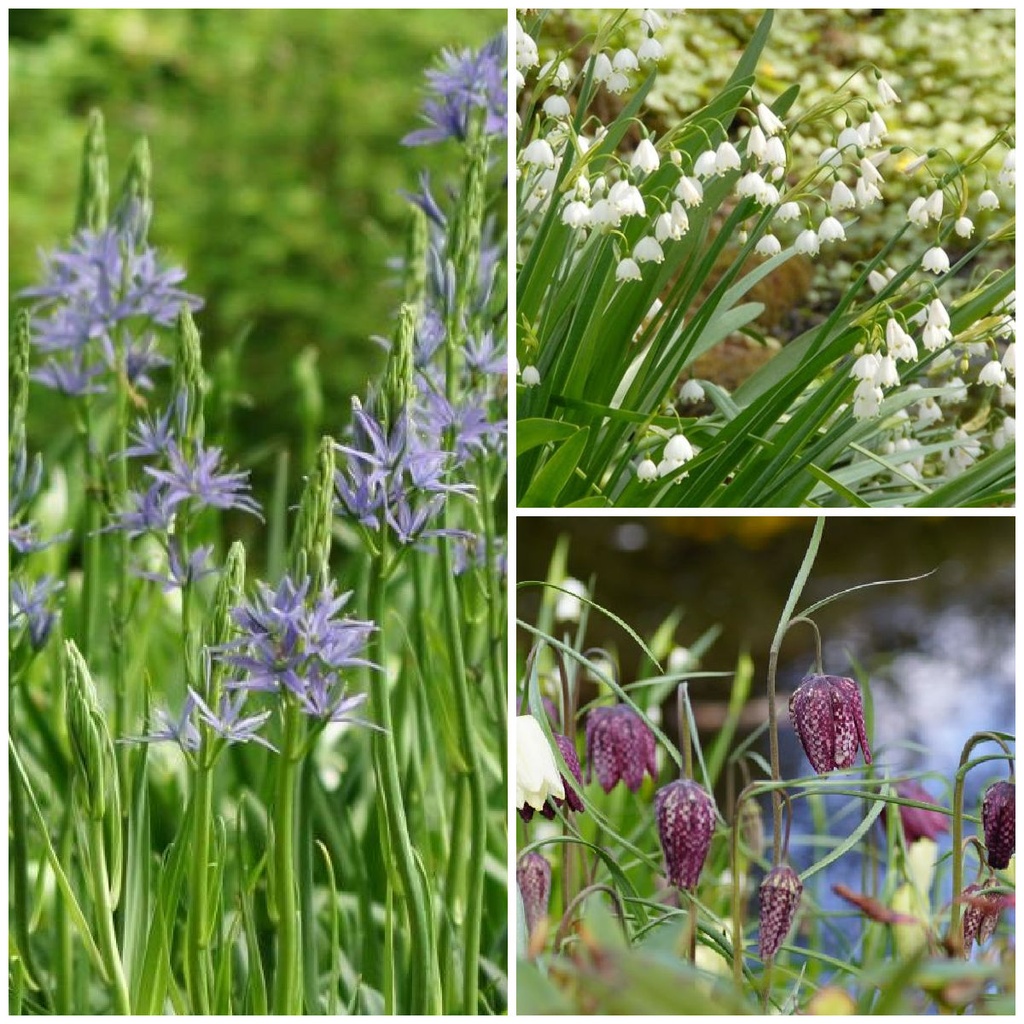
(94, 187)
(312, 538)
(135, 207)
(188, 372)
(92, 752)
(533, 874)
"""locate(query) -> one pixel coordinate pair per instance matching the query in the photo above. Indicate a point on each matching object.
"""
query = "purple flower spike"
(780, 896)
(999, 818)
(919, 823)
(828, 716)
(533, 873)
(619, 746)
(572, 796)
(686, 822)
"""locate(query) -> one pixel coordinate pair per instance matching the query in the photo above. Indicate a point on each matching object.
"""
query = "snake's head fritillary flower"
(918, 822)
(828, 716)
(686, 821)
(999, 819)
(619, 746)
(533, 874)
(780, 896)
(537, 776)
(981, 915)
(572, 796)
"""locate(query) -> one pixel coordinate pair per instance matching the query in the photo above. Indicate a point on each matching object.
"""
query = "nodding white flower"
(866, 192)
(652, 20)
(568, 606)
(726, 158)
(600, 186)
(933, 204)
(539, 153)
(917, 212)
(704, 165)
(756, 142)
(663, 227)
(900, 345)
(964, 227)
(645, 157)
(988, 200)
(537, 774)
(878, 279)
(691, 392)
(935, 260)
(628, 270)
(936, 328)
(648, 250)
(557, 107)
(1010, 359)
(1008, 172)
(625, 60)
(576, 214)
(928, 412)
(830, 230)
(769, 120)
(604, 215)
(647, 471)
(787, 211)
(1004, 433)
(519, 80)
(865, 134)
(526, 49)
(768, 245)
(627, 199)
(530, 376)
(676, 157)
(560, 75)
(842, 197)
(887, 375)
(870, 173)
(678, 449)
(830, 157)
(886, 94)
(768, 196)
(690, 191)
(602, 67)
(751, 184)
(617, 83)
(866, 367)
(672, 224)
(807, 242)
(667, 466)
(992, 373)
(867, 400)
(650, 51)
(775, 152)
(914, 164)
(849, 136)
(962, 454)
(879, 129)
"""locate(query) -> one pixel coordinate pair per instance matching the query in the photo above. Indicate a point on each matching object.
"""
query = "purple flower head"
(619, 746)
(30, 607)
(201, 480)
(140, 357)
(465, 82)
(486, 358)
(828, 716)
(473, 430)
(70, 376)
(102, 280)
(981, 915)
(181, 571)
(919, 823)
(229, 723)
(572, 796)
(686, 822)
(533, 875)
(292, 643)
(181, 730)
(999, 819)
(147, 512)
(152, 438)
(780, 896)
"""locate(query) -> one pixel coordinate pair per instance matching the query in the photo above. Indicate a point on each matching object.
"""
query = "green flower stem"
(397, 844)
(287, 991)
(453, 876)
(93, 540)
(955, 934)
(773, 662)
(64, 966)
(107, 938)
(685, 740)
(197, 948)
(477, 822)
(19, 873)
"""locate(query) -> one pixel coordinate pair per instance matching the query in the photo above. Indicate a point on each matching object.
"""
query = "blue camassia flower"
(467, 81)
(30, 608)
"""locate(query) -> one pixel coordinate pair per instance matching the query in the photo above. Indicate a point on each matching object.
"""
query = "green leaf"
(552, 478)
(530, 433)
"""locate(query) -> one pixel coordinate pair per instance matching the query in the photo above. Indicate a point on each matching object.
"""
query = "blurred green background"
(278, 170)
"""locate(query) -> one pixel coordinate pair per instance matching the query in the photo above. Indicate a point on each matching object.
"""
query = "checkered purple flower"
(533, 875)
(999, 820)
(686, 822)
(619, 746)
(828, 716)
(780, 897)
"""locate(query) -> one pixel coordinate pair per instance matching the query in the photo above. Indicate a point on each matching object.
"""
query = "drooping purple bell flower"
(533, 874)
(919, 823)
(686, 821)
(572, 796)
(780, 896)
(619, 746)
(828, 716)
(999, 819)
(981, 915)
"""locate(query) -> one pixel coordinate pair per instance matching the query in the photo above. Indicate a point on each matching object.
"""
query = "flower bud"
(398, 387)
(828, 716)
(780, 896)
(92, 752)
(19, 380)
(533, 874)
(94, 188)
(686, 821)
(416, 248)
(313, 528)
(619, 746)
(188, 372)
(135, 207)
(999, 819)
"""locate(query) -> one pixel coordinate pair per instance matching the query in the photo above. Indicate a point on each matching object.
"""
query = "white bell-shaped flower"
(539, 154)
(628, 270)
(648, 250)
(537, 774)
(645, 157)
(935, 260)
(769, 120)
